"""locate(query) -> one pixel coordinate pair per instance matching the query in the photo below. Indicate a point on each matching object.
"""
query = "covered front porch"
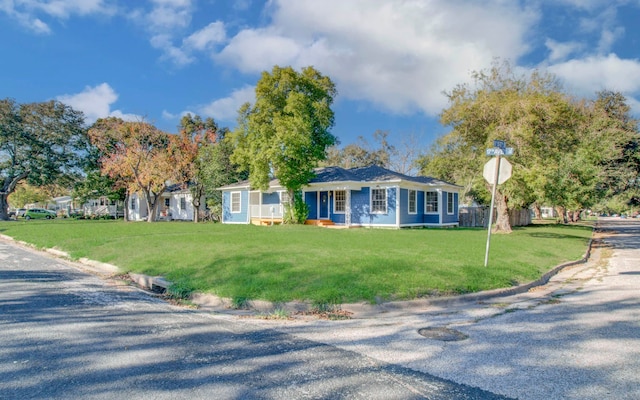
(266, 208)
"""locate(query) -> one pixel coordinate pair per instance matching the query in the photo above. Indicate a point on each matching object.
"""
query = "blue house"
(367, 196)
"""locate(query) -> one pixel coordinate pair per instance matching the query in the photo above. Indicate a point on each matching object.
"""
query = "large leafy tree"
(530, 112)
(287, 131)
(614, 146)
(215, 169)
(137, 155)
(195, 133)
(39, 142)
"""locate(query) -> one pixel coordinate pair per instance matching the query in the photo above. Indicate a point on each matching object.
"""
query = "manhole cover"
(444, 334)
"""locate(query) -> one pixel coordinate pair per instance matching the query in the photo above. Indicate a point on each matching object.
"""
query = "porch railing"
(266, 211)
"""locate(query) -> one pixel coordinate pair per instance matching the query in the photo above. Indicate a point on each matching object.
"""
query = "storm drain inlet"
(444, 334)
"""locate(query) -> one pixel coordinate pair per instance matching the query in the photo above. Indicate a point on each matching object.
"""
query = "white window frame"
(450, 203)
(386, 196)
(426, 202)
(415, 201)
(183, 203)
(284, 197)
(343, 199)
(239, 202)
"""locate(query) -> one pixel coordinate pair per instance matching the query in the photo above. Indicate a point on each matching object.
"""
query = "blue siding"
(450, 218)
(405, 217)
(431, 218)
(361, 208)
(235, 218)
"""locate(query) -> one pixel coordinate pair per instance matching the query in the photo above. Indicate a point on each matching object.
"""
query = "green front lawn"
(283, 263)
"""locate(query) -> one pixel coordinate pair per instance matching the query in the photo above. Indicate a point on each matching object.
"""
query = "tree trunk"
(151, 205)
(562, 214)
(4, 206)
(575, 215)
(195, 201)
(503, 225)
(126, 206)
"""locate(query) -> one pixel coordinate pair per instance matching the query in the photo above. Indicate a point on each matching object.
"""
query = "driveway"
(577, 337)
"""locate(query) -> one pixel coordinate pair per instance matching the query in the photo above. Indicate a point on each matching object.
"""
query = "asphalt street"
(67, 334)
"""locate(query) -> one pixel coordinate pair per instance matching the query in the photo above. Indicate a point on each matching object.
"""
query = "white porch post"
(441, 206)
(398, 206)
(347, 200)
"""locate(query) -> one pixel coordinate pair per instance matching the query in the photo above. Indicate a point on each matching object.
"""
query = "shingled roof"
(371, 173)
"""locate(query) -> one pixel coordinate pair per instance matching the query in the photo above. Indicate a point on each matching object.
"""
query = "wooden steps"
(319, 222)
(266, 221)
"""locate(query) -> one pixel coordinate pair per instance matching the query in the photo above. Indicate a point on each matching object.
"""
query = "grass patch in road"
(324, 266)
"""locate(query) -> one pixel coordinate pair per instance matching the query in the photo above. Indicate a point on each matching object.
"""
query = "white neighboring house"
(103, 206)
(175, 205)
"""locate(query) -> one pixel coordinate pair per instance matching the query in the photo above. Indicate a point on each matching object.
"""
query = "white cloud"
(95, 102)
(212, 34)
(398, 55)
(65, 8)
(226, 109)
(592, 74)
(561, 51)
(177, 55)
(169, 14)
(27, 12)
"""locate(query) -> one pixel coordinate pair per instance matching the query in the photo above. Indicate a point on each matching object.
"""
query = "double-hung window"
(431, 202)
(449, 203)
(379, 201)
(183, 203)
(340, 201)
(235, 202)
(413, 201)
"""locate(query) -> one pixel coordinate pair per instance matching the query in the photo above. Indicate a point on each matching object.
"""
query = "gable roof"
(358, 175)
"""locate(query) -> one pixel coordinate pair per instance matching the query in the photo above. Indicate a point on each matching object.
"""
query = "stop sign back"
(489, 171)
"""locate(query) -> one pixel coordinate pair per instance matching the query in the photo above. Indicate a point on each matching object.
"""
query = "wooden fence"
(479, 216)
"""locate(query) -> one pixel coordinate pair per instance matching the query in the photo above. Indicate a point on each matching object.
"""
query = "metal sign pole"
(493, 199)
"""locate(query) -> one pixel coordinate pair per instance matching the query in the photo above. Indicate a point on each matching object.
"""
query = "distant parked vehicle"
(39, 213)
(17, 213)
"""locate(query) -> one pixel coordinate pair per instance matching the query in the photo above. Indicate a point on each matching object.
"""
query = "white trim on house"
(335, 201)
(440, 208)
(386, 200)
(426, 192)
(415, 201)
(237, 202)
(452, 203)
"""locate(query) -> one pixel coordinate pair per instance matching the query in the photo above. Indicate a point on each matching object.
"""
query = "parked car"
(17, 213)
(39, 213)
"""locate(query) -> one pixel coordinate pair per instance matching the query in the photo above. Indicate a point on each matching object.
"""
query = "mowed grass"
(285, 263)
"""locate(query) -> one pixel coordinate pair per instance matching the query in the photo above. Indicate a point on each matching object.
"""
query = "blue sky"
(391, 60)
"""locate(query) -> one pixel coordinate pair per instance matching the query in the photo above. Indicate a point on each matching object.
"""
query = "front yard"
(284, 263)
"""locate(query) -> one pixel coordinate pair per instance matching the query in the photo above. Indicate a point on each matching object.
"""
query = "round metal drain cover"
(444, 334)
